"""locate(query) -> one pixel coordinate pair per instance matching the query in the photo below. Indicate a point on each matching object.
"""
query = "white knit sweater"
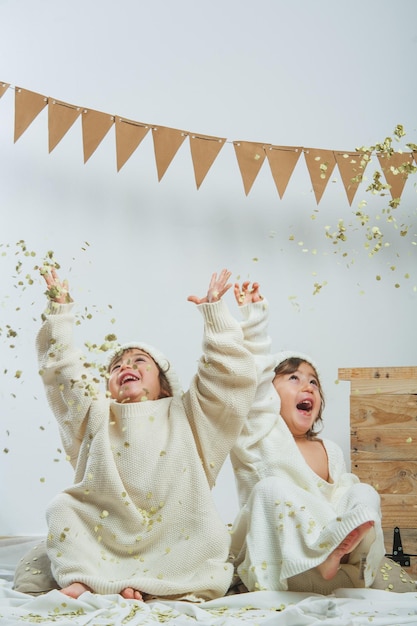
(291, 519)
(140, 512)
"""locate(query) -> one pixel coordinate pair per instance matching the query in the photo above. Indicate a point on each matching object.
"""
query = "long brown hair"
(291, 365)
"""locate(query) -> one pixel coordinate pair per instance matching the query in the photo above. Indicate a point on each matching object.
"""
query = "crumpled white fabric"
(346, 607)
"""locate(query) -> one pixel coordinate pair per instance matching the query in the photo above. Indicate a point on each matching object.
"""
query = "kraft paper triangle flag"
(320, 165)
(27, 106)
(95, 126)
(3, 88)
(282, 161)
(351, 166)
(129, 134)
(61, 116)
(394, 167)
(250, 157)
(204, 151)
(166, 142)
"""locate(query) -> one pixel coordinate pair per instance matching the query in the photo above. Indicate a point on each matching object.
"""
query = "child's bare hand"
(245, 294)
(217, 288)
(57, 289)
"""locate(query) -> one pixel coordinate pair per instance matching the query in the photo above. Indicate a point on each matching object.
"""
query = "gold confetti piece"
(104, 514)
(409, 440)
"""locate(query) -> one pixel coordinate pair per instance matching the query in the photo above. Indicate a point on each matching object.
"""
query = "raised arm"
(68, 387)
(255, 438)
(222, 391)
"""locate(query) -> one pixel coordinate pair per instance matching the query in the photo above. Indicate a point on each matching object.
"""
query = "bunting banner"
(129, 134)
(3, 88)
(282, 162)
(61, 116)
(320, 165)
(395, 170)
(95, 126)
(204, 149)
(28, 105)
(166, 143)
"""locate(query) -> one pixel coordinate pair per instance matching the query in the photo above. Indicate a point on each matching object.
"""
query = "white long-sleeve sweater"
(140, 512)
(291, 519)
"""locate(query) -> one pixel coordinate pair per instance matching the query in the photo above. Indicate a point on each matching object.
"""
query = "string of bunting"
(205, 148)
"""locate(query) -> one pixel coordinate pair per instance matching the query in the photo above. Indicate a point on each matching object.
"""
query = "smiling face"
(134, 377)
(300, 394)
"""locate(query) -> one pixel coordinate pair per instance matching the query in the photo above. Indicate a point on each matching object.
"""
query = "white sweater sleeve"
(222, 391)
(248, 454)
(69, 389)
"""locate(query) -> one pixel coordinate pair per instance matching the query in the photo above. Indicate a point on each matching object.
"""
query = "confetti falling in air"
(371, 231)
(379, 230)
(22, 270)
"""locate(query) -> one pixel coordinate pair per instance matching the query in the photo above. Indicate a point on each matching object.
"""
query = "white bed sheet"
(346, 607)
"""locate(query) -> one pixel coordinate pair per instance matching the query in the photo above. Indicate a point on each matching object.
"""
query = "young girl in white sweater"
(302, 512)
(140, 519)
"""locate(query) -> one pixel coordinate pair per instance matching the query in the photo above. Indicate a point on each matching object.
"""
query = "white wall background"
(316, 73)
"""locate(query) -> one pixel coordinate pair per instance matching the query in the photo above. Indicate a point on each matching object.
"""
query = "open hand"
(217, 288)
(245, 294)
(57, 289)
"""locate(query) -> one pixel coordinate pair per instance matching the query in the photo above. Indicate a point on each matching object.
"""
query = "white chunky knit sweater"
(140, 512)
(291, 519)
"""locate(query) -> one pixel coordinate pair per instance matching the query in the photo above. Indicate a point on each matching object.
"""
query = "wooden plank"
(399, 510)
(383, 385)
(383, 444)
(383, 420)
(369, 373)
(388, 477)
(388, 410)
